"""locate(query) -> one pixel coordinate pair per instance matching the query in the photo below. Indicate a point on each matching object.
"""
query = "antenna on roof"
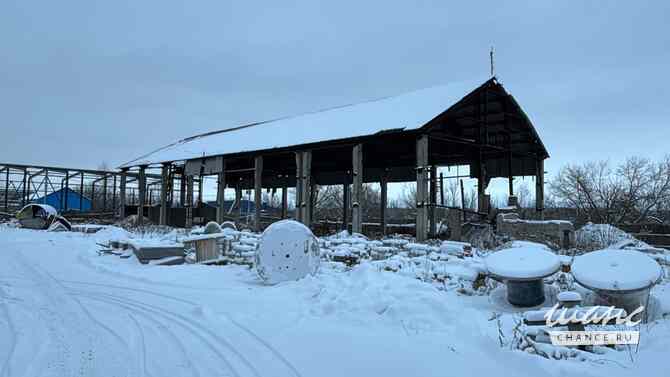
(492, 66)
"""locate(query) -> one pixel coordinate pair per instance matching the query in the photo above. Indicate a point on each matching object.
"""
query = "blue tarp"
(57, 200)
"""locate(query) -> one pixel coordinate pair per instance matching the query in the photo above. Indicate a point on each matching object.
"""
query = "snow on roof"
(408, 111)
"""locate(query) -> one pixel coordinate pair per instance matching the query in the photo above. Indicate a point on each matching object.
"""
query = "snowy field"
(66, 311)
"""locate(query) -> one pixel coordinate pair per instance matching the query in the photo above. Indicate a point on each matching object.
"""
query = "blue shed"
(57, 200)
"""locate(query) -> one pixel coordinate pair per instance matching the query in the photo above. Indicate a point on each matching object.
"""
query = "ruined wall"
(558, 233)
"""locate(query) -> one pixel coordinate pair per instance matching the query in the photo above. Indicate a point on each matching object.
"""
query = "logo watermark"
(576, 318)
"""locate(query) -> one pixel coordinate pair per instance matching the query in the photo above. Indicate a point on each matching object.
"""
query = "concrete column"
(357, 189)
(104, 193)
(307, 189)
(141, 195)
(188, 204)
(64, 198)
(432, 221)
(7, 189)
(238, 200)
(182, 189)
(122, 194)
(162, 219)
(382, 202)
(510, 176)
(284, 200)
(298, 186)
(422, 188)
(221, 193)
(258, 191)
(539, 188)
(345, 205)
(482, 205)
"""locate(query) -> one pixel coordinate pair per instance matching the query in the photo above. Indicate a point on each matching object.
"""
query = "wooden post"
(463, 201)
(539, 187)
(162, 217)
(298, 186)
(433, 201)
(284, 199)
(258, 191)
(307, 188)
(141, 195)
(345, 204)
(221, 193)
(383, 183)
(122, 193)
(357, 189)
(481, 186)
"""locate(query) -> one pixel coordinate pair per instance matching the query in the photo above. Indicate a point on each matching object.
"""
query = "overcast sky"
(83, 82)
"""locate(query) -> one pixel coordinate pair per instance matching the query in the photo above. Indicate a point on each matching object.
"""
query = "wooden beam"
(422, 188)
(357, 189)
(258, 191)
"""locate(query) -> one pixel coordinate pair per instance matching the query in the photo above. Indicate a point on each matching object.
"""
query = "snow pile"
(602, 236)
(612, 269)
(287, 251)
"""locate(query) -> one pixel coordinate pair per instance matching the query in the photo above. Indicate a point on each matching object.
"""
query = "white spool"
(287, 251)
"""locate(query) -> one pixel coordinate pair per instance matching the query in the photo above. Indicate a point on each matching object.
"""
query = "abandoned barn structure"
(396, 139)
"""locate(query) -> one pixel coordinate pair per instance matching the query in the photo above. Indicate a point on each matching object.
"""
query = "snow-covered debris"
(287, 251)
(616, 270)
(603, 236)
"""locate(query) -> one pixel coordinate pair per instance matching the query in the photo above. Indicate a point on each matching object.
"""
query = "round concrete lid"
(616, 270)
(527, 262)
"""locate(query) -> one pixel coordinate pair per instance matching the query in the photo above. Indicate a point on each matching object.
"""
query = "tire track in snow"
(251, 334)
(191, 328)
(6, 371)
(181, 348)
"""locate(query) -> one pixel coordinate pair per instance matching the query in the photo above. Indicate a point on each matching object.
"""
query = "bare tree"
(630, 193)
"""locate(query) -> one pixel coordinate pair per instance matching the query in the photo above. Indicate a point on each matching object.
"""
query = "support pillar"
(307, 189)
(122, 193)
(346, 193)
(162, 218)
(298, 186)
(357, 189)
(81, 192)
(188, 204)
(65, 195)
(432, 221)
(539, 188)
(221, 194)
(24, 198)
(284, 200)
(104, 193)
(7, 190)
(258, 191)
(422, 188)
(141, 197)
(382, 202)
(510, 176)
(182, 189)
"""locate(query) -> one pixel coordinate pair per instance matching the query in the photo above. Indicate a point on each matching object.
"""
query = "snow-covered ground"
(65, 310)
